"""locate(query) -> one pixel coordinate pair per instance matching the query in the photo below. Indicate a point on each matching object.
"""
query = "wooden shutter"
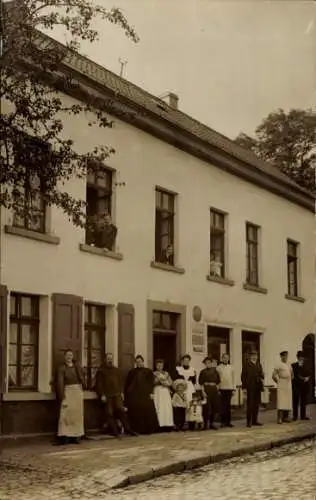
(126, 336)
(3, 337)
(67, 326)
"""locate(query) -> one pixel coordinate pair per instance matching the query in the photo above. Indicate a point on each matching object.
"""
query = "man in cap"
(252, 378)
(282, 376)
(300, 386)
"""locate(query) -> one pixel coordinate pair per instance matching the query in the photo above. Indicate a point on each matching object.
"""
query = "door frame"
(224, 327)
(181, 310)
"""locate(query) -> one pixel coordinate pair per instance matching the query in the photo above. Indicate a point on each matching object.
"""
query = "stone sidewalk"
(102, 464)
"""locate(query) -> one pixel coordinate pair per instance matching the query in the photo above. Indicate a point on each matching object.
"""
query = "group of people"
(152, 400)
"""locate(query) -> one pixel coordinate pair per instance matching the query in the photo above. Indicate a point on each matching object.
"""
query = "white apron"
(71, 412)
(162, 400)
(186, 374)
(283, 374)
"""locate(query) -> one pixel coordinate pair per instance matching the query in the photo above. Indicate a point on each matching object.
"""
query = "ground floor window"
(23, 345)
(94, 341)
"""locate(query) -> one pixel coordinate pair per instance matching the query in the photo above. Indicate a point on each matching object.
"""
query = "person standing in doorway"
(139, 397)
(252, 378)
(109, 388)
(209, 379)
(226, 387)
(300, 386)
(282, 376)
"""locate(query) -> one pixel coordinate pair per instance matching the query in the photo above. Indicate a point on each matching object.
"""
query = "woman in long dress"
(69, 391)
(282, 376)
(162, 396)
(187, 373)
(139, 396)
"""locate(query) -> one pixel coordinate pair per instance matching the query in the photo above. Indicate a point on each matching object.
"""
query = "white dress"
(186, 374)
(162, 399)
(283, 376)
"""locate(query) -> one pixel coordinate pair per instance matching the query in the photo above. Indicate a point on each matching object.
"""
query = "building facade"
(214, 253)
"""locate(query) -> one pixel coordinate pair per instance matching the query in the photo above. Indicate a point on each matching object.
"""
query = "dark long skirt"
(142, 415)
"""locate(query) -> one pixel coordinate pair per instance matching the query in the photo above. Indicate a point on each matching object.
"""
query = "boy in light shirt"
(226, 387)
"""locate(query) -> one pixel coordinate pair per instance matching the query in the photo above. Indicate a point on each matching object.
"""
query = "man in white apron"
(282, 376)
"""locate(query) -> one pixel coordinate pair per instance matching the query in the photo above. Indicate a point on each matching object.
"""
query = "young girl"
(162, 397)
(195, 411)
(179, 403)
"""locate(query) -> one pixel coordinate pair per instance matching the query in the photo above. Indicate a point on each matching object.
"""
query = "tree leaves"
(288, 141)
(32, 137)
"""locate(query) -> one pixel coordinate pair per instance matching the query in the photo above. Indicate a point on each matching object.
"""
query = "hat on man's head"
(283, 353)
(300, 354)
(253, 352)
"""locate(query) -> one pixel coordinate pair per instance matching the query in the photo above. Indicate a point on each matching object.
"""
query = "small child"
(179, 403)
(195, 411)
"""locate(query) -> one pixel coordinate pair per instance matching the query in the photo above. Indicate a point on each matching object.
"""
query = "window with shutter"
(67, 326)
(3, 337)
(126, 336)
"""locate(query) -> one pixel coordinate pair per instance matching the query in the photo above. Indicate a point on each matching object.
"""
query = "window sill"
(167, 267)
(38, 396)
(295, 298)
(28, 396)
(254, 288)
(220, 280)
(32, 235)
(100, 251)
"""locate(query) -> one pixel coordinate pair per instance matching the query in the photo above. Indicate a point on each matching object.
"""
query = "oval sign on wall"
(197, 313)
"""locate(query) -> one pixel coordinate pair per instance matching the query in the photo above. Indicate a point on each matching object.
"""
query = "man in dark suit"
(300, 386)
(252, 383)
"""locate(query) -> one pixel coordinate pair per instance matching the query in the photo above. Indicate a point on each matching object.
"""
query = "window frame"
(101, 193)
(41, 155)
(163, 214)
(220, 233)
(89, 328)
(292, 259)
(18, 319)
(254, 244)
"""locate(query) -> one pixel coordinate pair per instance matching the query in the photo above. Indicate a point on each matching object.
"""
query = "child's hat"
(179, 383)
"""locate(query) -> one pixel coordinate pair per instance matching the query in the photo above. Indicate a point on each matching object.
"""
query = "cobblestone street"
(92, 469)
(288, 473)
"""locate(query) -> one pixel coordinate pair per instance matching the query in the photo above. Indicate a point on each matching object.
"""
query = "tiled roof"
(125, 89)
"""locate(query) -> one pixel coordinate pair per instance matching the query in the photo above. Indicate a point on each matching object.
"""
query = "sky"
(231, 62)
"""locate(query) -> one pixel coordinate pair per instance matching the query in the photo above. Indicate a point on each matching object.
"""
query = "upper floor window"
(100, 231)
(217, 243)
(252, 255)
(30, 210)
(164, 227)
(24, 337)
(31, 156)
(292, 268)
(94, 341)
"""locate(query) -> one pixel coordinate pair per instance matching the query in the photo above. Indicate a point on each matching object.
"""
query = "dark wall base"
(41, 417)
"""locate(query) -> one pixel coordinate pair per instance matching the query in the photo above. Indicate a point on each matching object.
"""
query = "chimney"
(171, 99)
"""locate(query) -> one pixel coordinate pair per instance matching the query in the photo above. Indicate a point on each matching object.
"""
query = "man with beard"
(252, 378)
(109, 388)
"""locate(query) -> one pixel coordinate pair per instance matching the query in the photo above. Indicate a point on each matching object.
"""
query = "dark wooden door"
(308, 348)
(126, 337)
(217, 341)
(67, 327)
(165, 347)
(250, 342)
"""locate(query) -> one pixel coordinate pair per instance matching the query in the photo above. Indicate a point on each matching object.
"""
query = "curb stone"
(204, 460)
